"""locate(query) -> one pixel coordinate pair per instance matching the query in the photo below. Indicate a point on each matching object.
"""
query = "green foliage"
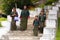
(21, 3)
(7, 5)
(58, 30)
(42, 5)
(2, 19)
(49, 2)
(0, 24)
(34, 1)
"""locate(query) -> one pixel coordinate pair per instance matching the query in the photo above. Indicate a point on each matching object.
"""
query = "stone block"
(55, 8)
(53, 16)
(47, 37)
(52, 12)
(49, 31)
(50, 23)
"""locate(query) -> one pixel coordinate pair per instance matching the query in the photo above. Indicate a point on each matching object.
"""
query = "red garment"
(28, 17)
(20, 17)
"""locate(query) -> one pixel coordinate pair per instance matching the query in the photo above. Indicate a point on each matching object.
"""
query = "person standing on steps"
(42, 18)
(14, 14)
(24, 18)
(36, 25)
(45, 15)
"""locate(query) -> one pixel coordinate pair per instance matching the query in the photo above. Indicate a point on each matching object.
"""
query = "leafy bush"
(42, 5)
(0, 24)
(58, 30)
(9, 4)
(49, 2)
(2, 19)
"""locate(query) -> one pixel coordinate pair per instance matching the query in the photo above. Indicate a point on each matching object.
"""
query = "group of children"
(39, 23)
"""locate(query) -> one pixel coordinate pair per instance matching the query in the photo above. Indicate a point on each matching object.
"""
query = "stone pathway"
(22, 35)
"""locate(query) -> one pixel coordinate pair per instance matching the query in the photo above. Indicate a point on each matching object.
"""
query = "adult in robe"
(42, 18)
(45, 15)
(24, 18)
(14, 14)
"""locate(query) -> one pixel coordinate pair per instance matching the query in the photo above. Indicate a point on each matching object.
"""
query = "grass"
(2, 19)
(0, 25)
(58, 30)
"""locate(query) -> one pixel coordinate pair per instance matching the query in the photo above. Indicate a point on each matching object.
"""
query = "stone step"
(48, 37)
(30, 20)
(29, 27)
(20, 35)
(20, 38)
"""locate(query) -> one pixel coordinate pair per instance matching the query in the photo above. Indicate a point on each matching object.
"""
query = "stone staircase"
(49, 32)
(22, 35)
(19, 35)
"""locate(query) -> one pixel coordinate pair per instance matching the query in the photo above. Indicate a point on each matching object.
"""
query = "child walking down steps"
(36, 25)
